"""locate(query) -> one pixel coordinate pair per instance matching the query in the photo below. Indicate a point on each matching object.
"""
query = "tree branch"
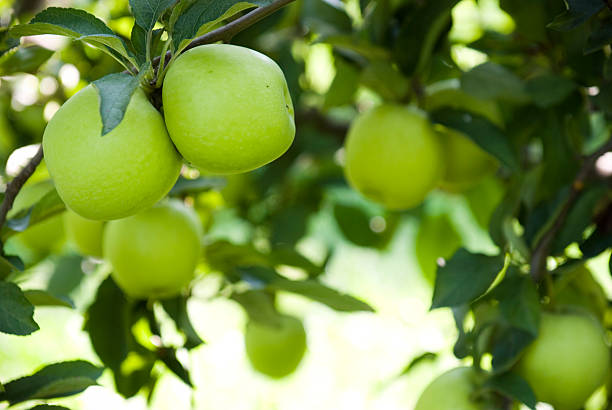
(13, 187)
(226, 32)
(542, 249)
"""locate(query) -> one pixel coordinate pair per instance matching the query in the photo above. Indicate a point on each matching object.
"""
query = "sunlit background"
(353, 361)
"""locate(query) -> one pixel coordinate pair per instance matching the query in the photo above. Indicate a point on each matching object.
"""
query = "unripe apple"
(393, 156)
(115, 175)
(568, 361)
(154, 253)
(466, 163)
(85, 233)
(227, 108)
(450, 391)
(275, 351)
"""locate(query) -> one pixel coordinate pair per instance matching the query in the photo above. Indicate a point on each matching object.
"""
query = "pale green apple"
(275, 351)
(568, 361)
(393, 156)
(154, 253)
(227, 108)
(115, 175)
(86, 234)
(465, 162)
(450, 391)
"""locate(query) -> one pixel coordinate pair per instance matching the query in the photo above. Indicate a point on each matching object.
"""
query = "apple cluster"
(395, 156)
(226, 108)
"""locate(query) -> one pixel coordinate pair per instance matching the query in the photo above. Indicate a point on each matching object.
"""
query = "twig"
(542, 249)
(226, 32)
(13, 187)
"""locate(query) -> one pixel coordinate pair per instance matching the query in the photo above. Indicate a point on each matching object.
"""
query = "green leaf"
(49, 205)
(49, 407)
(309, 288)
(7, 267)
(16, 312)
(325, 17)
(493, 81)
(354, 223)
(76, 24)
(259, 306)
(425, 357)
(24, 60)
(201, 16)
(549, 89)
(66, 276)
(185, 186)
(578, 12)
(147, 12)
(177, 310)
(108, 324)
(344, 86)
(55, 380)
(600, 36)
(39, 297)
(519, 302)
(168, 357)
(512, 386)
(465, 277)
(115, 94)
(480, 130)
(508, 344)
(382, 77)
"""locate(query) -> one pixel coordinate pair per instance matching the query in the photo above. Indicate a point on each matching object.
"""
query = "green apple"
(450, 391)
(227, 108)
(568, 361)
(466, 163)
(115, 175)
(154, 253)
(275, 351)
(85, 233)
(393, 156)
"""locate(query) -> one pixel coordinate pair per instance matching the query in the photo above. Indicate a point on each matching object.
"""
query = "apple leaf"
(38, 297)
(78, 25)
(203, 15)
(24, 60)
(16, 312)
(49, 205)
(138, 37)
(513, 386)
(465, 277)
(9, 265)
(480, 130)
(493, 81)
(578, 11)
(549, 89)
(168, 357)
(508, 344)
(177, 310)
(107, 324)
(115, 91)
(49, 407)
(147, 12)
(259, 306)
(519, 302)
(55, 380)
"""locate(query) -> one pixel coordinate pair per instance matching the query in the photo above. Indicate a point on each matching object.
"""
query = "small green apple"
(393, 156)
(450, 391)
(466, 163)
(115, 175)
(276, 351)
(85, 233)
(568, 361)
(154, 253)
(227, 108)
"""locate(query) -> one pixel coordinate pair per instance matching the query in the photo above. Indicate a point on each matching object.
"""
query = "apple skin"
(450, 391)
(275, 351)
(115, 175)
(154, 253)
(568, 361)
(227, 108)
(466, 163)
(85, 233)
(393, 156)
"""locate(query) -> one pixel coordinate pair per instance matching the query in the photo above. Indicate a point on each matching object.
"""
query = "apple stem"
(13, 187)
(542, 249)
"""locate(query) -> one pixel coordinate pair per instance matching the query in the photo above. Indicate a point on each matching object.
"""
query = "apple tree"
(204, 139)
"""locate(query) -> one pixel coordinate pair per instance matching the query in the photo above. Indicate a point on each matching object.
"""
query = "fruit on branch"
(227, 108)
(115, 175)
(154, 253)
(466, 163)
(86, 234)
(577, 287)
(568, 361)
(393, 156)
(450, 391)
(275, 351)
